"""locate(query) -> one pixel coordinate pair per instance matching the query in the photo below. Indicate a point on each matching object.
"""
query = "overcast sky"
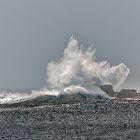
(34, 32)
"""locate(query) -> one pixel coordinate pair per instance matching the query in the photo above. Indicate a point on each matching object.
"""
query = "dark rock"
(108, 89)
(124, 93)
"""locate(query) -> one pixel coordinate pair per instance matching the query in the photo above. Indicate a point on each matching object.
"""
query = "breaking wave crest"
(76, 72)
(78, 66)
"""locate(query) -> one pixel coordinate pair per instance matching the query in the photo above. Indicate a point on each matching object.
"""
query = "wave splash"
(78, 66)
(77, 71)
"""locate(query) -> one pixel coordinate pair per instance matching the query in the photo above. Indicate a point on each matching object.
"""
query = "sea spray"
(76, 72)
(78, 66)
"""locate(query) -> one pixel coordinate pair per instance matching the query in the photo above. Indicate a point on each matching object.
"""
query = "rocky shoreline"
(122, 94)
(90, 119)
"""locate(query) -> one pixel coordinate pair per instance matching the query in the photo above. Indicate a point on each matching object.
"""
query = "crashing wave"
(76, 72)
(78, 66)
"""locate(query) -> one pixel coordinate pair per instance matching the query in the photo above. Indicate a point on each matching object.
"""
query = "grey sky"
(34, 32)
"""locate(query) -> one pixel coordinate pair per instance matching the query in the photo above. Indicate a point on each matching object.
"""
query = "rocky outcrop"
(108, 89)
(124, 93)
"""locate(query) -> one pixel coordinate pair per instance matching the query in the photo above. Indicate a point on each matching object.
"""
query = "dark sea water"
(71, 119)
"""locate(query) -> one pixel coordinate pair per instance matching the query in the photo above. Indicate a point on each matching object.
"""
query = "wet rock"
(124, 93)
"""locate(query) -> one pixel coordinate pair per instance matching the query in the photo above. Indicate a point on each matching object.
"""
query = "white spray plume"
(78, 66)
(77, 71)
